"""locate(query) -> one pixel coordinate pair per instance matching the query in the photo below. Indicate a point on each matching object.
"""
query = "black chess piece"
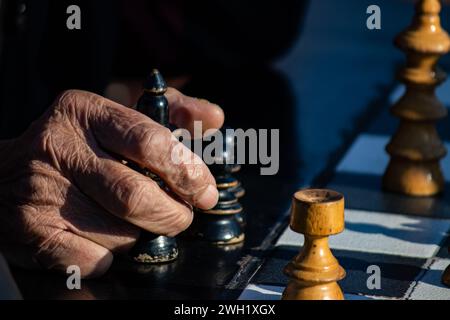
(225, 175)
(223, 224)
(229, 179)
(226, 178)
(152, 248)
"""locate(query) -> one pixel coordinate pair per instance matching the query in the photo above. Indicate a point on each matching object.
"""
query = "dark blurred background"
(310, 68)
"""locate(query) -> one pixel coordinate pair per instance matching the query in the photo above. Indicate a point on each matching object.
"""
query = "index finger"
(185, 110)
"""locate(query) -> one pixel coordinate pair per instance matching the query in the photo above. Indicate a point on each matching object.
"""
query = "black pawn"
(224, 175)
(152, 248)
(223, 224)
(230, 179)
(231, 169)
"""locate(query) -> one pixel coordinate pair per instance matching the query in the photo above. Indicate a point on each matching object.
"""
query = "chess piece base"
(218, 229)
(299, 290)
(420, 179)
(154, 249)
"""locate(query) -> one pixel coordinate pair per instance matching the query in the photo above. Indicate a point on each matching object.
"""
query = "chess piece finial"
(224, 224)
(151, 248)
(314, 273)
(416, 148)
(155, 83)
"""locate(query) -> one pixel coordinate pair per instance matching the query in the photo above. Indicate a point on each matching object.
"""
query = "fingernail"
(203, 100)
(208, 198)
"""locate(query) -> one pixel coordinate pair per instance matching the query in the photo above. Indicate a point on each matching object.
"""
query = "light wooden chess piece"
(416, 148)
(315, 271)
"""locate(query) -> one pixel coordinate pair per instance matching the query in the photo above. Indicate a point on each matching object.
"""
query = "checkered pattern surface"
(407, 238)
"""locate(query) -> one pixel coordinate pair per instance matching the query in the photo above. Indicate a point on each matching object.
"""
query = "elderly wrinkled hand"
(66, 197)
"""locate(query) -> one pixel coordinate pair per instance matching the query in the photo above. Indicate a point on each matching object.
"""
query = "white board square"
(429, 287)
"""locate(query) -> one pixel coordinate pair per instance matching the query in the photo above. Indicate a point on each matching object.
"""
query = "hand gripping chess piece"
(152, 248)
(314, 273)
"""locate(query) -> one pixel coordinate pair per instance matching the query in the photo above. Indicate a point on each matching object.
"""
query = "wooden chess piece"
(224, 224)
(314, 273)
(232, 183)
(225, 175)
(416, 148)
(227, 183)
(221, 224)
(151, 248)
(227, 179)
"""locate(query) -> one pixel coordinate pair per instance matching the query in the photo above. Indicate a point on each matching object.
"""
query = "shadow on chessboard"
(364, 192)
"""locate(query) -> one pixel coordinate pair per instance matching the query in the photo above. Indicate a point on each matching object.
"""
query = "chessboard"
(405, 238)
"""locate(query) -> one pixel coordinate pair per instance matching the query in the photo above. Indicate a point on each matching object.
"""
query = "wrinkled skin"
(66, 198)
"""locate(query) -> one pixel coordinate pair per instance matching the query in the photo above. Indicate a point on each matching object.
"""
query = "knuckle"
(67, 98)
(183, 219)
(168, 217)
(189, 173)
(66, 95)
(55, 252)
(78, 103)
(50, 247)
(155, 145)
(130, 194)
(133, 201)
(96, 264)
(192, 178)
(186, 220)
